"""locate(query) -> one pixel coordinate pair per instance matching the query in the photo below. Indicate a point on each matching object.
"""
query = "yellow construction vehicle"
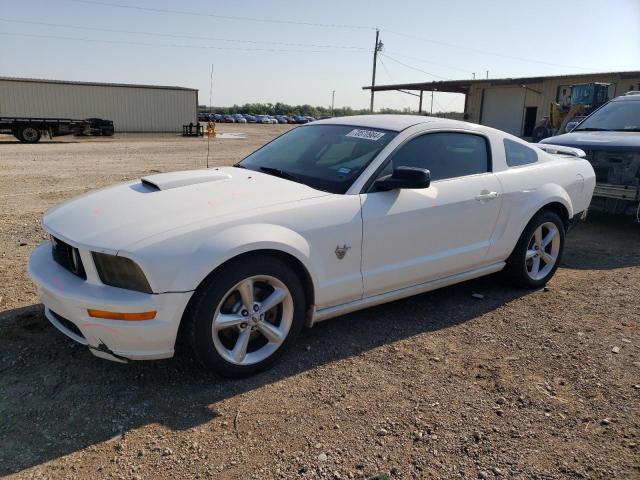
(585, 98)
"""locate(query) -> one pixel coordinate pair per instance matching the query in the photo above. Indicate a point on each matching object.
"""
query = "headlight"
(120, 272)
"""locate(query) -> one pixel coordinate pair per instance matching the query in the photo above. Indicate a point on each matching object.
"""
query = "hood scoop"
(169, 180)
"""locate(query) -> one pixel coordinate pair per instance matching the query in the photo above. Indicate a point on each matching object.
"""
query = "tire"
(538, 253)
(220, 321)
(29, 134)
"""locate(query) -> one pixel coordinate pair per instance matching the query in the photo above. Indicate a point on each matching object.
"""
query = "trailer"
(31, 130)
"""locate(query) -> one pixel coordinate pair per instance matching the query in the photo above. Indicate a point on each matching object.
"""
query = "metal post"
(474, 75)
(431, 102)
(487, 74)
(420, 104)
(375, 59)
(333, 95)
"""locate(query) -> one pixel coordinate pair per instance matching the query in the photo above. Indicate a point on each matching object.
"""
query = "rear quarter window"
(518, 154)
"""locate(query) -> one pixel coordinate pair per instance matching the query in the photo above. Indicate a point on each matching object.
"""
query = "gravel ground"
(516, 384)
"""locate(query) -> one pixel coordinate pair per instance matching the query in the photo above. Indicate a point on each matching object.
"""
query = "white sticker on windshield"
(366, 134)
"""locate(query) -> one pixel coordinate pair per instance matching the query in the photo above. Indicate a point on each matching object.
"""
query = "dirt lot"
(542, 384)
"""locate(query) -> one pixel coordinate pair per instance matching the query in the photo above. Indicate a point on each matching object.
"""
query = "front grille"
(67, 324)
(68, 257)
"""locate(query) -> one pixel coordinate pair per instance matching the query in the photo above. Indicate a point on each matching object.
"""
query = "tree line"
(284, 109)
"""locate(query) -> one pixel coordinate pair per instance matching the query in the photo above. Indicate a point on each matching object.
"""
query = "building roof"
(463, 86)
(99, 84)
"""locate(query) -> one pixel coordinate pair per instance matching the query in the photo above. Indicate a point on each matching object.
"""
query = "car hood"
(115, 217)
(610, 141)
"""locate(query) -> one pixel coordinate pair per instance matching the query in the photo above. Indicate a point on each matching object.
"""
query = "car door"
(412, 236)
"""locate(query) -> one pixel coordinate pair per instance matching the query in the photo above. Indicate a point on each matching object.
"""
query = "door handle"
(486, 195)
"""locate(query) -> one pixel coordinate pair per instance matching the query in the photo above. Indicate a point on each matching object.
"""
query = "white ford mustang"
(331, 217)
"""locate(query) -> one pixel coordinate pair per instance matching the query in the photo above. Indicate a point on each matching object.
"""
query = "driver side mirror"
(404, 177)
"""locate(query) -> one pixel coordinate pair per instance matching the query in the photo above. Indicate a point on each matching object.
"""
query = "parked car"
(373, 209)
(217, 117)
(301, 119)
(202, 117)
(610, 136)
(239, 119)
(262, 119)
(250, 118)
(228, 119)
(281, 118)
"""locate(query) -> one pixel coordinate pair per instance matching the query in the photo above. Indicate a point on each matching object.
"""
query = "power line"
(149, 44)
(396, 54)
(393, 81)
(223, 17)
(414, 68)
(192, 37)
(485, 52)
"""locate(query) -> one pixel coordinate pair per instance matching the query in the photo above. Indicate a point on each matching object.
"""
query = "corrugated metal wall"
(548, 89)
(132, 109)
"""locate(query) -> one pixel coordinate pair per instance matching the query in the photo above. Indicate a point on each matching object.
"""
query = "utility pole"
(333, 95)
(474, 75)
(378, 47)
(431, 102)
(487, 74)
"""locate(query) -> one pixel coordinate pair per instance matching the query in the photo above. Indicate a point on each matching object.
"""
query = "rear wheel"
(29, 134)
(538, 252)
(245, 316)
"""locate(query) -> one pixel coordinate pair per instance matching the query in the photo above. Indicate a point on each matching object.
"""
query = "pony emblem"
(341, 251)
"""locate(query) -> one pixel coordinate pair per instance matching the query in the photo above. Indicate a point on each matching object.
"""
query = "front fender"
(236, 240)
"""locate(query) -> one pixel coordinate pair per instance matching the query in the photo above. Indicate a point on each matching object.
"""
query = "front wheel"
(245, 316)
(538, 252)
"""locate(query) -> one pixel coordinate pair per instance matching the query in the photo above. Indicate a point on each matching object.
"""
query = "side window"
(445, 155)
(518, 154)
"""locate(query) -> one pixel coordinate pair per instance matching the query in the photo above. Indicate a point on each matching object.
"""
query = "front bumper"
(67, 297)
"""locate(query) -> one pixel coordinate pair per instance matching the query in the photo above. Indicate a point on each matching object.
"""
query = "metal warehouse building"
(133, 108)
(516, 104)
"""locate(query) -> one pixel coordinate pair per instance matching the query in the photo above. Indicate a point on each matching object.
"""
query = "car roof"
(392, 122)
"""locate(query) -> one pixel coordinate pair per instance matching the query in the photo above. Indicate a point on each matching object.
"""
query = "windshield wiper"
(634, 129)
(237, 165)
(592, 129)
(280, 173)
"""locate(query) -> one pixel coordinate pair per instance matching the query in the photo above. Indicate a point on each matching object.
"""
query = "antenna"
(210, 107)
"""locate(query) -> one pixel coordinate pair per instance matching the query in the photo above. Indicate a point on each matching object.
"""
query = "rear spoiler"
(560, 150)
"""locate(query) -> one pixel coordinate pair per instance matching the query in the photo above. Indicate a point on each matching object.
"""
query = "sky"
(299, 51)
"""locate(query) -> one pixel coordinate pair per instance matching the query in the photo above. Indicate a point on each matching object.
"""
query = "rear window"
(518, 154)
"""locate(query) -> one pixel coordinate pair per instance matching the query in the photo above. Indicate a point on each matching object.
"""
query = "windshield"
(619, 116)
(582, 94)
(325, 157)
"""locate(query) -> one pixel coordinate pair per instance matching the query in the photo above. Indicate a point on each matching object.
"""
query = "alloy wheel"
(542, 251)
(253, 320)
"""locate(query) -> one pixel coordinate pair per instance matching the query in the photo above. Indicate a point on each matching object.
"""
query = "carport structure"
(418, 89)
(515, 104)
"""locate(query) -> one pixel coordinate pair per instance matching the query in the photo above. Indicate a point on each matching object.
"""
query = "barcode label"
(366, 134)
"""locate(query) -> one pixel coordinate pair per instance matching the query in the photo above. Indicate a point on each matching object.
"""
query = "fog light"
(122, 316)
